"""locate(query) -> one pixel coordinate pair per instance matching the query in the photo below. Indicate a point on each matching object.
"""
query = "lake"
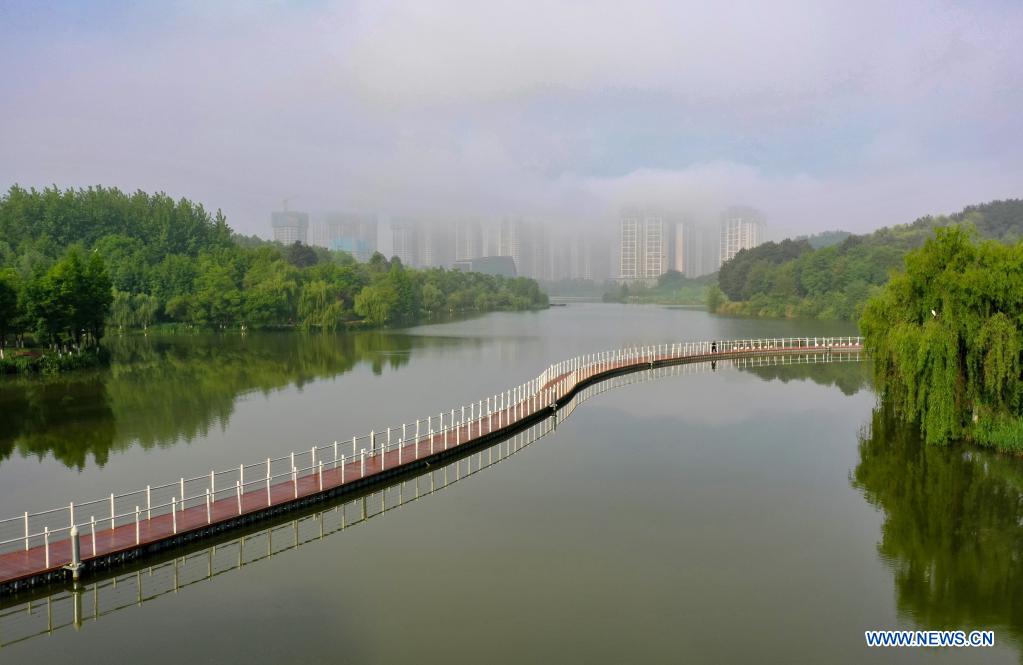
(721, 515)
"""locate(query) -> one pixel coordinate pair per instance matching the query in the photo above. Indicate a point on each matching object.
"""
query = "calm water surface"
(764, 515)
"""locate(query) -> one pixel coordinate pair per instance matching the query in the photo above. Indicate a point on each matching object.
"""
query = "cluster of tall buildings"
(538, 250)
(651, 243)
(352, 233)
(648, 244)
(543, 251)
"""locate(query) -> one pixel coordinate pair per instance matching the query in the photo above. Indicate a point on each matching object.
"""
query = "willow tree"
(946, 339)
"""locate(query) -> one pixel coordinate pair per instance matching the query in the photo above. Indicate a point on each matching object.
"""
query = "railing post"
(137, 538)
(238, 493)
(342, 469)
(182, 494)
(26, 530)
(76, 554)
(174, 514)
(209, 516)
(321, 474)
(294, 477)
(112, 510)
(362, 463)
(92, 522)
(149, 505)
(213, 483)
(268, 481)
(46, 544)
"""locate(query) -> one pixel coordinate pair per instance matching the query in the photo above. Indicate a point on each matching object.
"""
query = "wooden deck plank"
(27, 563)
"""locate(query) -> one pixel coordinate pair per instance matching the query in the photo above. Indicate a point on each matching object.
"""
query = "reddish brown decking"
(32, 563)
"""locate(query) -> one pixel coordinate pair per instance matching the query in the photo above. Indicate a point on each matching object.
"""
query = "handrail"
(112, 591)
(35, 529)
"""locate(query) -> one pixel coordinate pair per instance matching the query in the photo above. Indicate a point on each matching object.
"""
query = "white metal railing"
(105, 596)
(452, 428)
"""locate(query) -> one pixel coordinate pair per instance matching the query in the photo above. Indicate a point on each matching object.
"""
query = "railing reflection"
(76, 606)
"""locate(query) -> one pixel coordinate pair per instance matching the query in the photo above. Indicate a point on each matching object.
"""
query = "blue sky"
(824, 114)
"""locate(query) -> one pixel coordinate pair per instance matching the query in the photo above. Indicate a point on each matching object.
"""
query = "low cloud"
(823, 114)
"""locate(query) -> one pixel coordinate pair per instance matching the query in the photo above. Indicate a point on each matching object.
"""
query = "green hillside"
(792, 278)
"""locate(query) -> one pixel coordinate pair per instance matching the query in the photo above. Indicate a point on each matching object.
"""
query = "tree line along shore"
(75, 263)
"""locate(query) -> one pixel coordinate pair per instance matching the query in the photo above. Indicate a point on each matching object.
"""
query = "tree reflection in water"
(163, 389)
(952, 530)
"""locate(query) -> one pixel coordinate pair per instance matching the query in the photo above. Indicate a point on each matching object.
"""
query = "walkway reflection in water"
(22, 619)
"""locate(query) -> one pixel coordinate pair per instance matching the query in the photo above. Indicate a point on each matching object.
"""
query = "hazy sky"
(824, 114)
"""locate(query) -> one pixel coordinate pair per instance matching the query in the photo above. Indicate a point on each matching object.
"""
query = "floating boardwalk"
(58, 544)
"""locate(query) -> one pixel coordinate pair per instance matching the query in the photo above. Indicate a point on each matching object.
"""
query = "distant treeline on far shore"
(74, 263)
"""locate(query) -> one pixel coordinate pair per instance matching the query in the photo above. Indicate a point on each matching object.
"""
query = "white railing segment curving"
(372, 451)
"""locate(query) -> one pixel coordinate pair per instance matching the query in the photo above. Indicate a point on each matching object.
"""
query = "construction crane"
(284, 203)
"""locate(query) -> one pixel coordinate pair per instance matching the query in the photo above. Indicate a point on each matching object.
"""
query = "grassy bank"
(46, 362)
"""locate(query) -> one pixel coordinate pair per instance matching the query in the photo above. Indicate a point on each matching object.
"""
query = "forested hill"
(174, 261)
(791, 278)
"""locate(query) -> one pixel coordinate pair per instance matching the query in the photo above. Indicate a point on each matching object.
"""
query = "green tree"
(433, 298)
(9, 309)
(71, 301)
(122, 314)
(946, 338)
(714, 298)
(378, 304)
(301, 255)
(145, 307)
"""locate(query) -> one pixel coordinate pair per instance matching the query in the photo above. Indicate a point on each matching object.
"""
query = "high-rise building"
(643, 246)
(347, 232)
(681, 249)
(290, 226)
(741, 228)
(629, 248)
(509, 243)
(405, 243)
(422, 244)
(529, 245)
(655, 247)
(687, 255)
(468, 240)
(436, 245)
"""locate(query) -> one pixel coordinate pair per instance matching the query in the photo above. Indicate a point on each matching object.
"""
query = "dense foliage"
(825, 238)
(947, 335)
(72, 260)
(671, 288)
(799, 278)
